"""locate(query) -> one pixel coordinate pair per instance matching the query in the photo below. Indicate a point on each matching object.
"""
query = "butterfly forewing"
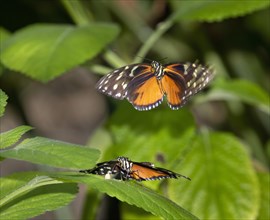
(103, 168)
(116, 82)
(141, 172)
(197, 77)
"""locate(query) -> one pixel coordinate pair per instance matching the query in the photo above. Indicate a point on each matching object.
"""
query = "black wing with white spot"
(108, 167)
(199, 76)
(115, 83)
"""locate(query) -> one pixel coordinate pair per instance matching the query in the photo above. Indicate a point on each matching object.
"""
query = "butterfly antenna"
(186, 177)
(143, 58)
(162, 59)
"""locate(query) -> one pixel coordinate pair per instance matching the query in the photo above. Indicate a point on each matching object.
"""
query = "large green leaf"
(243, 91)
(11, 137)
(132, 193)
(3, 102)
(264, 212)
(208, 10)
(5, 34)
(45, 51)
(25, 195)
(223, 183)
(53, 153)
(158, 136)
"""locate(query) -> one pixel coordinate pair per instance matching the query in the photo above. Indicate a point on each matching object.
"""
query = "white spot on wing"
(120, 76)
(107, 176)
(124, 86)
(115, 86)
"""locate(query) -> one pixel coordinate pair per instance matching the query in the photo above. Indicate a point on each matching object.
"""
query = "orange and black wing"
(183, 80)
(142, 172)
(144, 90)
(116, 82)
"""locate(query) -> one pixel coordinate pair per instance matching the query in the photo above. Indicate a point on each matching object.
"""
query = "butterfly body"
(124, 169)
(145, 85)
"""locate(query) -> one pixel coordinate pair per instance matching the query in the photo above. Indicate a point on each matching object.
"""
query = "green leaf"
(53, 153)
(11, 137)
(5, 34)
(132, 193)
(45, 51)
(150, 135)
(3, 102)
(25, 195)
(133, 212)
(264, 212)
(241, 90)
(223, 183)
(210, 11)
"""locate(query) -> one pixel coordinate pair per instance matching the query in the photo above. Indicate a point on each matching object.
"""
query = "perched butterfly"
(125, 169)
(144, 85)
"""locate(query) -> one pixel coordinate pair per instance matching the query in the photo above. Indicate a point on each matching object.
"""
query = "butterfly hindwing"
(144, 91)
(174, 86)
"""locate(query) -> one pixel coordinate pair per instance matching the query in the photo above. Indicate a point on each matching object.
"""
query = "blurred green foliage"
(219, 139)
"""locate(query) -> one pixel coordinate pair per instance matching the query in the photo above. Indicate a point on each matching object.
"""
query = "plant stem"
(113, 59)
(162, 28)
(79, 13)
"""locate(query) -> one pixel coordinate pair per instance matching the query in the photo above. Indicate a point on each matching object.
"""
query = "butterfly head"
(158, 69)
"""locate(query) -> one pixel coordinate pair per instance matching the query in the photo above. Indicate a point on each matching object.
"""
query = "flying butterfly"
(124, 169)
(144, 85)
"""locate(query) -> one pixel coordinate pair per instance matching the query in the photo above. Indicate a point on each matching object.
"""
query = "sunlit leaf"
(210, 11)
(25, 195)
(11, 137)
(223, 183)
(45, 51)
(53, 153)
(243, 91)
(3, 102)
(5, 34)
(132, 193)
(133, 212)
(155, 136)
(264, 212)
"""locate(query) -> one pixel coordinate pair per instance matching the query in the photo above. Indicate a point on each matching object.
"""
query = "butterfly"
(144, 85)
(124, 169)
